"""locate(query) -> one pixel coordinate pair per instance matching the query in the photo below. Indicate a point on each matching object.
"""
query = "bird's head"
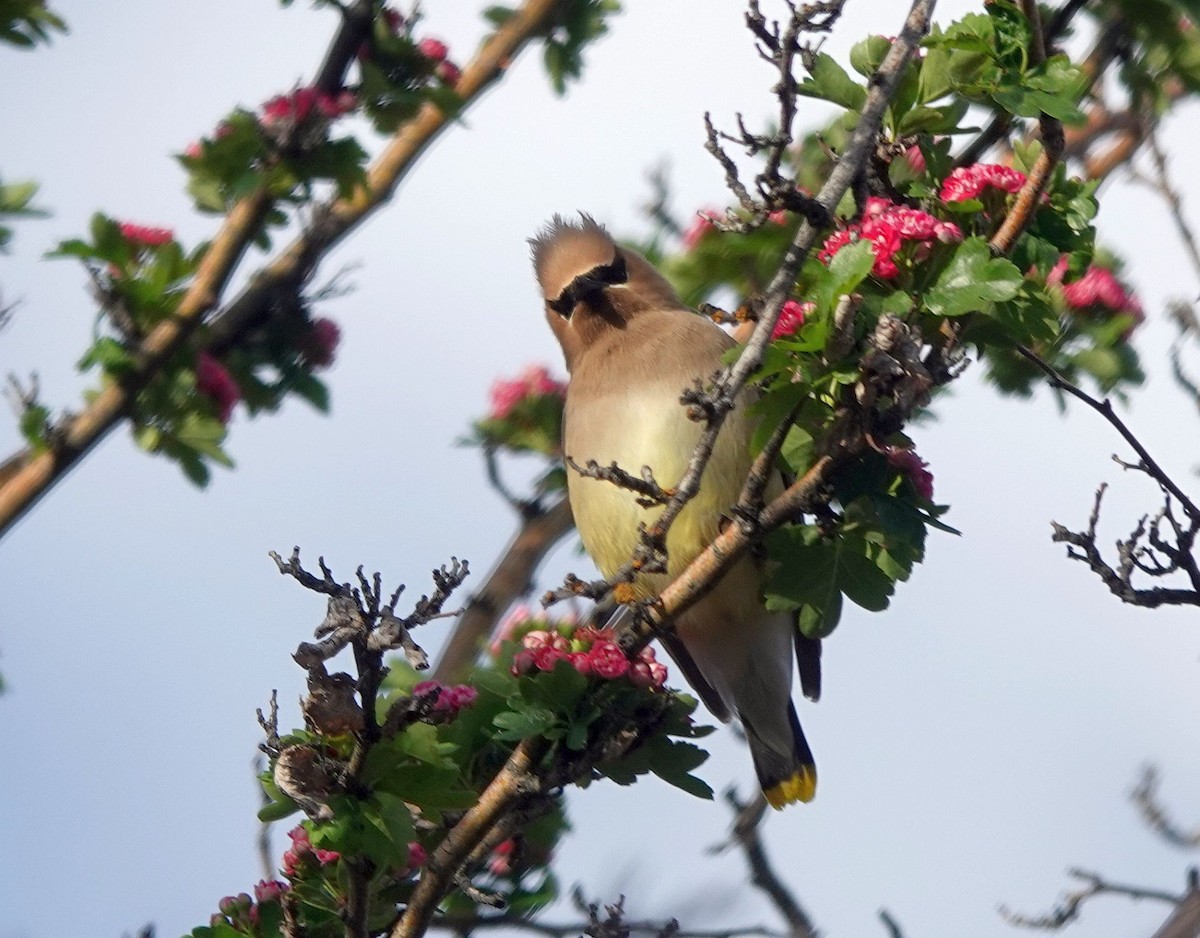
(591, 284)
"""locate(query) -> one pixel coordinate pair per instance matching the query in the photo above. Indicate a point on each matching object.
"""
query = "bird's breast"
(638, 426)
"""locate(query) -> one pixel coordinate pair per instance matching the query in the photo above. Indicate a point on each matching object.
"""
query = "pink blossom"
(912, 465)
(607, 660)
(701, 225)
(433, 49)
(300, 104)
(876, 206)
(215, 382)
(506, 631)
(587, 636)
(580, 661)
(541, 638)
(888, 226)
(778, 217)
(546, 657)
(640, 676)
(143, 236)
(454, 699)
(416, 856)
(448, 72)
(649, 675)
(791, 318)
(393, 18)
(500, 863)
(427, 688)
(325, 857)
(193, 151)
(320, 344)
(522, 662)
(1097, 288)
(967, 182)
(233, 905)
(534, 381)
(299, 838)
(915, 159)
(269, 890)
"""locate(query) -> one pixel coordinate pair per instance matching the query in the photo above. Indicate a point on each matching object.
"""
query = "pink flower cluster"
(888, 226)
(215, 382)
(241, 912)
(302, 849)
(590, 652)
(303, 103)
(436, 51)
(500, 863)
(449, 699)
(791, 318)
(967, 182)
(143, 236)
(416, 856)
(913, 466)
(534, 381)
(321, 342)
(1098, 288)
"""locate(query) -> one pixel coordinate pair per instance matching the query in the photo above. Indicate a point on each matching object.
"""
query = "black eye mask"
(587, 286)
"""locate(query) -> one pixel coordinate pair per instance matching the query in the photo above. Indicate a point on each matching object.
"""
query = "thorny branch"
(780, 48)
(1157, 547)
(364, 619)
(32, 475)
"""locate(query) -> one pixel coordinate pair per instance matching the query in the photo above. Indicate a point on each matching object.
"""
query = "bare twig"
(649, 492)
(1145, 796)
(1069, 909)
(1179, 555)
(745, 834)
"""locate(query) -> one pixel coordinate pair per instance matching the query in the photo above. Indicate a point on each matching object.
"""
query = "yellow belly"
(640, 427)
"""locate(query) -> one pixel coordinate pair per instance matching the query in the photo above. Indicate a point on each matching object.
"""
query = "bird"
(631, 348)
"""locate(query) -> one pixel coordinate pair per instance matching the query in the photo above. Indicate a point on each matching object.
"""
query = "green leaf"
(973, 281)
(673, 761)
(523, 723)
(498, 15)
(560, 689)
(829, 81)
(313, 390)
(848, 268)
(866, 56)
(277, 810)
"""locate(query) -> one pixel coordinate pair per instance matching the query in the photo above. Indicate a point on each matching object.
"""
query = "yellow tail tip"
(802, 786)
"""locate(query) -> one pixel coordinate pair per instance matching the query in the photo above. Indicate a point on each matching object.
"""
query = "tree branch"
(291, 267)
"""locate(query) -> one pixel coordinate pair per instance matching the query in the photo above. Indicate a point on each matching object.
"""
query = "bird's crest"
(564, 250)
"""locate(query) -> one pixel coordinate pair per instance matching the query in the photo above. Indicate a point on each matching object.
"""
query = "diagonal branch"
(293, 265)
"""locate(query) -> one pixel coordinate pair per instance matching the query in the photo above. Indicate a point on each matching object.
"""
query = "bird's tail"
(786, 769)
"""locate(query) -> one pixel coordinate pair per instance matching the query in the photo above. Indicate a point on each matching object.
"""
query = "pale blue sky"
(975, 740)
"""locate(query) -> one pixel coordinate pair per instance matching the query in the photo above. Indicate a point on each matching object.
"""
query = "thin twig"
(1068, 910)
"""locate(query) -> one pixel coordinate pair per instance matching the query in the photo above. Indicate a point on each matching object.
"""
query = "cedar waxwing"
(631, 348)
